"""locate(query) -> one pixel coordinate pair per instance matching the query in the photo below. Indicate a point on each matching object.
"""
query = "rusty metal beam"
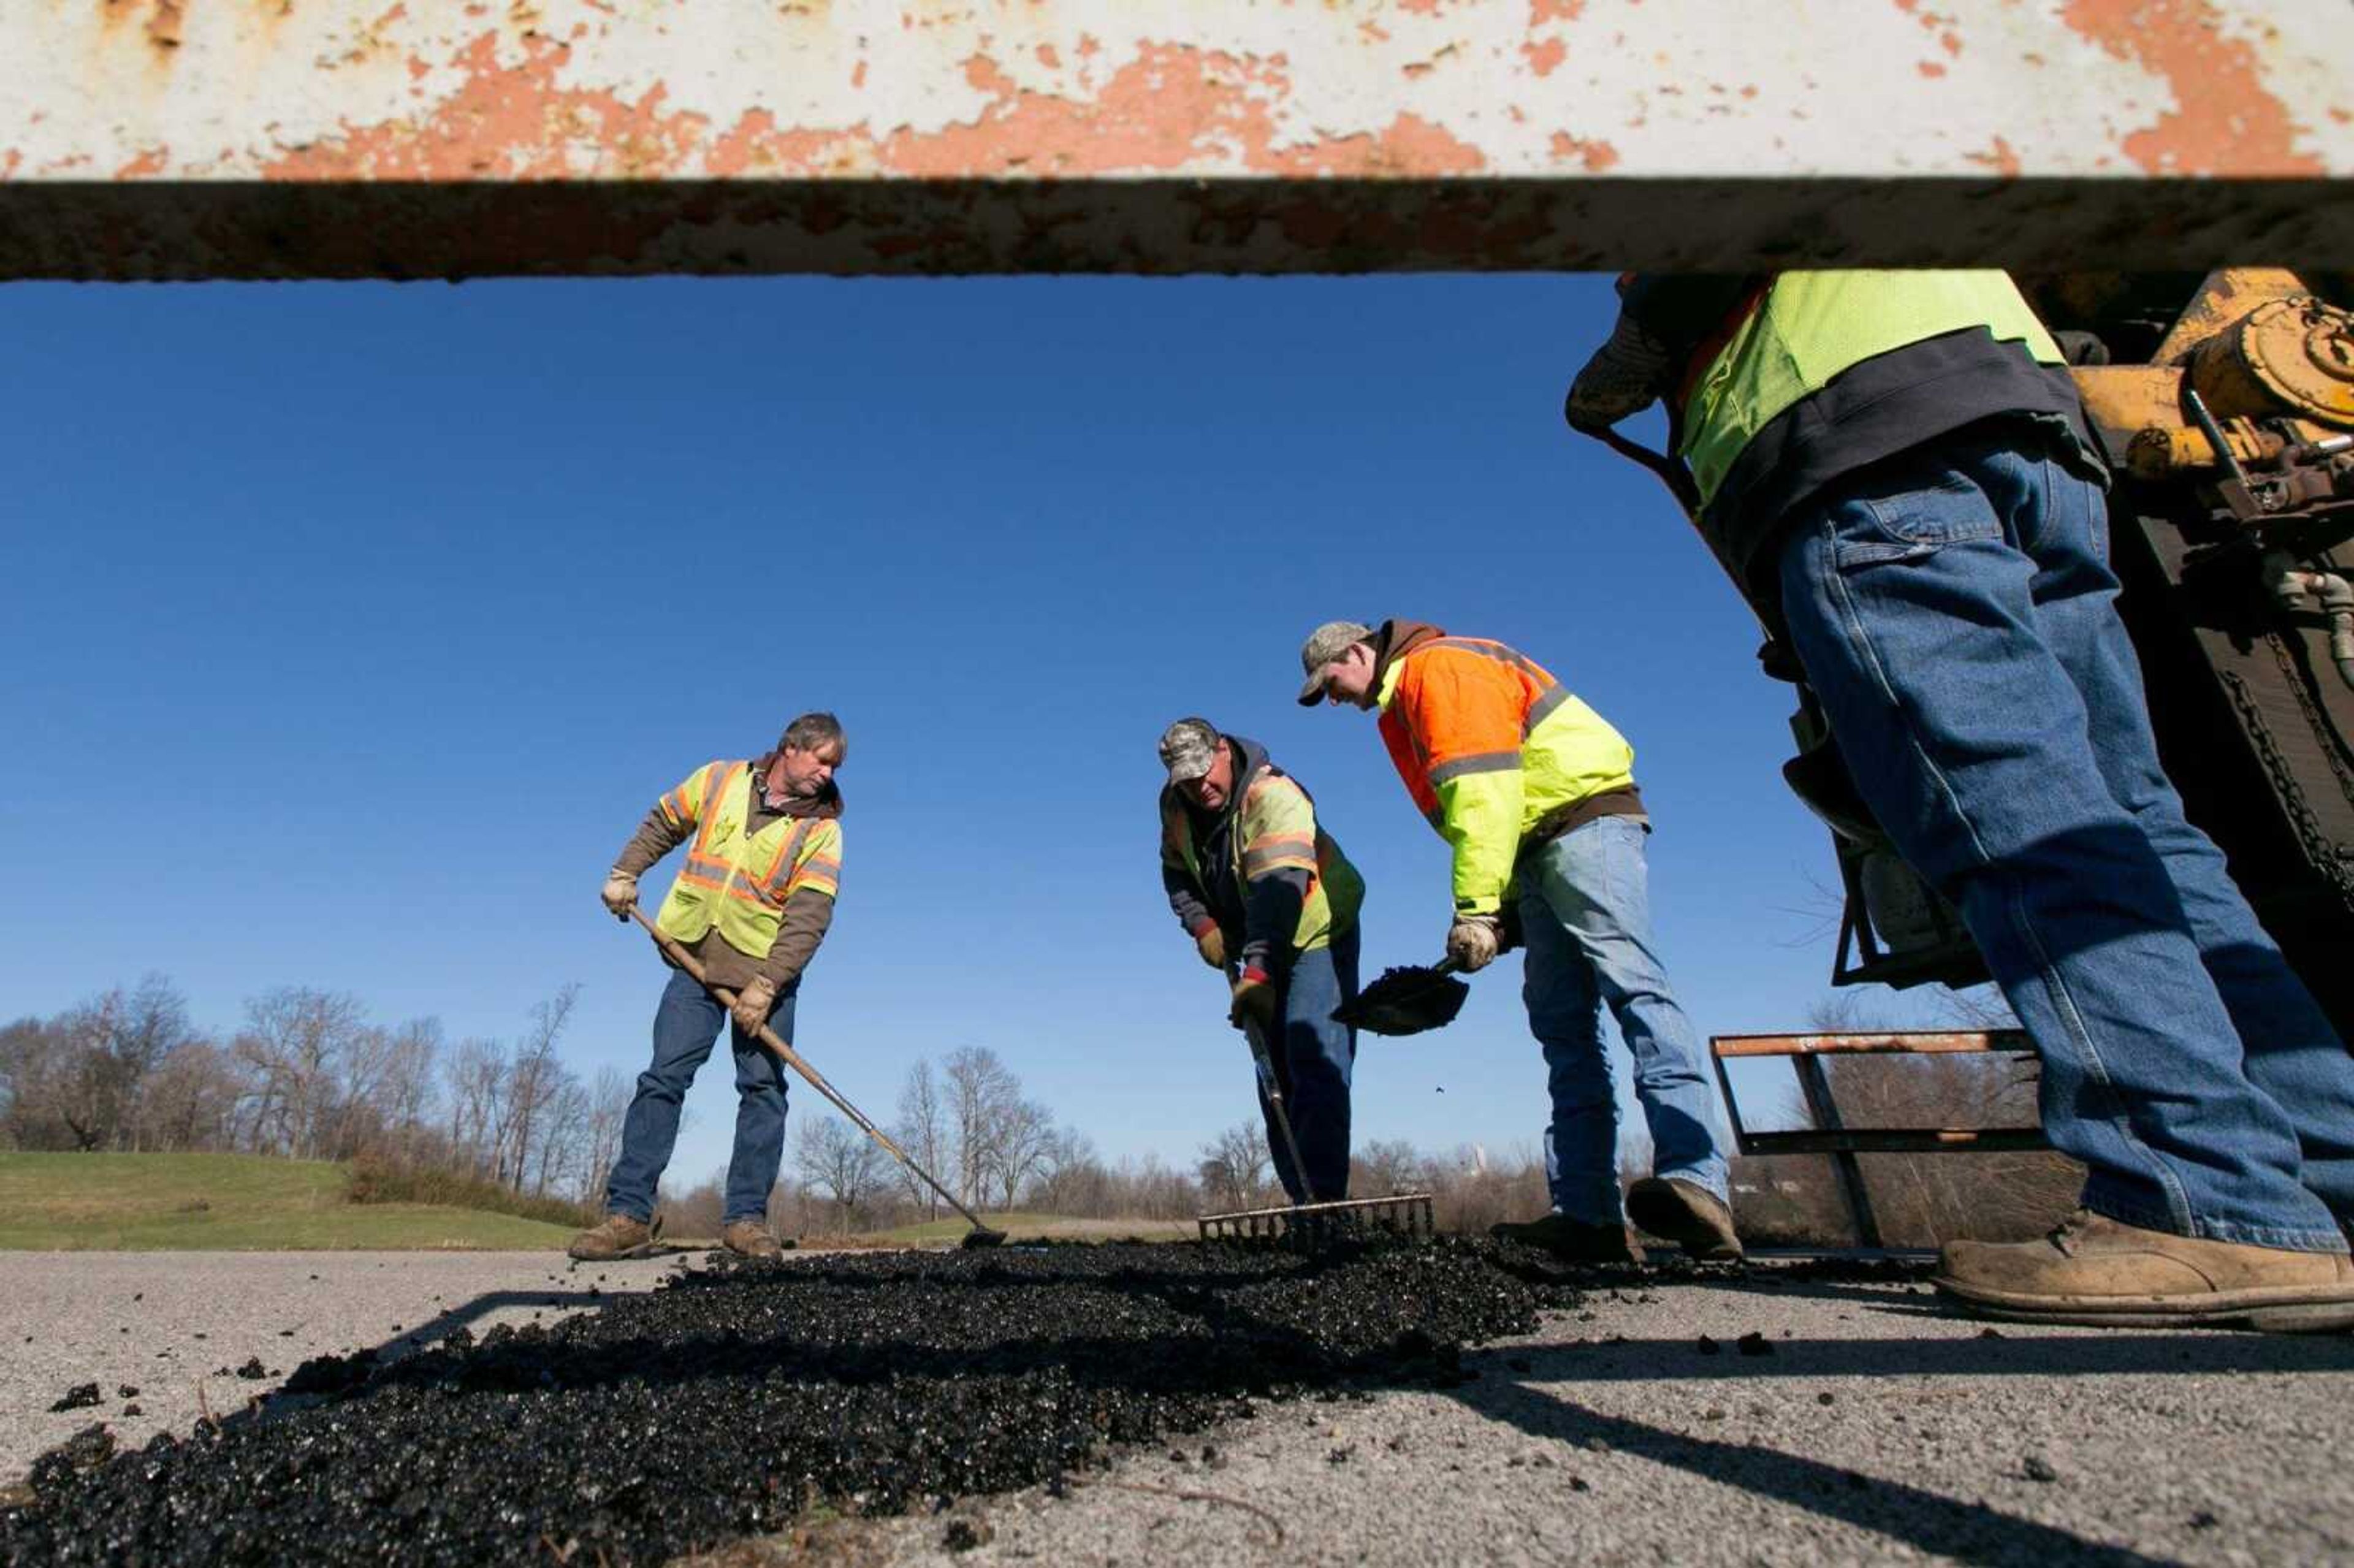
(1901, 1041)
(419, 138)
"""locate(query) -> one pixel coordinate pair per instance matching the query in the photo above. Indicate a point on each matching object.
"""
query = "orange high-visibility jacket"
(1488, 742)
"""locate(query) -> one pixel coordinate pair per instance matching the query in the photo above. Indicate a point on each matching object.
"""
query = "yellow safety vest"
(1276, 829)
(1810, 326)
(737, 882)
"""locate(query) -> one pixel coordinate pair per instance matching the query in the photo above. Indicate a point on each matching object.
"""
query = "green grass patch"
(98, 1203)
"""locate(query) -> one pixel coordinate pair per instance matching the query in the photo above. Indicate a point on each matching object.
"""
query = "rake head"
(1311, 1227)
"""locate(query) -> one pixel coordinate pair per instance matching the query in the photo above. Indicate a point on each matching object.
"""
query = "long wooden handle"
(798, 1064)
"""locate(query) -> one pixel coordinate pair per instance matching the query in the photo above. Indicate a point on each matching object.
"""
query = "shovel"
(1406, 1001)
(979, 1236)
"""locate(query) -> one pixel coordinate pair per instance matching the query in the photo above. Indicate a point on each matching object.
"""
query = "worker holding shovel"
(1271, 902)
(748, 908)
(1536, 795)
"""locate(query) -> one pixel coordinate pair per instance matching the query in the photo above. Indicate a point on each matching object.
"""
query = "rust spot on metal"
(1049, 57)
(1543, 10)
(2225, 120)
(164, 24)
(1929, 68)
(2002, 158)
(147, 165)
(1545, 59)
(506, 121)
(1595, 155)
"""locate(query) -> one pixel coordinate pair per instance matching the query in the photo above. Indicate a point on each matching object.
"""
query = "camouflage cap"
(1324, 644)
(1188, 748)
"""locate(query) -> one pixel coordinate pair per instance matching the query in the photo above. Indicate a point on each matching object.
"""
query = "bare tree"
(1235, 1166)
(535, 1078)
(923, 1132)
(1025, 1134)
(476, 1074)
(847, 1164)
(980, 1092)
(293, 1045)
(609, 1108)
(1386, 1166)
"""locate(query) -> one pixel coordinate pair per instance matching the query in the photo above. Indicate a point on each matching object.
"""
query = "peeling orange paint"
(152, 162)
(1596, 155)
(1545, 59)
(1929, 68)
(164, 24)
(858, 74)
(2224, 121)
(507, 122)
(2001, 158)
(1420, 7)
(1543, 10)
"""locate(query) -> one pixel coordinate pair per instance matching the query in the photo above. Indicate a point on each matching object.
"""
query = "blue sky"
(351, 627)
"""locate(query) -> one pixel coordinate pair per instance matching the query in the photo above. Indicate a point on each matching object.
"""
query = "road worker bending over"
(751, 905)
(1536, 795)
(1893, 466)
(1271, 902)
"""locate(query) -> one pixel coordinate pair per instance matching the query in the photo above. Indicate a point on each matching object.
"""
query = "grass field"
(78, 1202)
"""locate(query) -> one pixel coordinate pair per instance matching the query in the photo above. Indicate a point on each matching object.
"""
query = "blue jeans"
(1312, 1063)
(1952, 608)
(686, 1025)
(1586, 914)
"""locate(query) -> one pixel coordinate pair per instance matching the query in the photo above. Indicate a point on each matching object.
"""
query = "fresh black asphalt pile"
(740, 1396)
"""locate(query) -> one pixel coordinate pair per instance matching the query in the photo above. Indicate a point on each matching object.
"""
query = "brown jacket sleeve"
(655, 837)
(799, 928)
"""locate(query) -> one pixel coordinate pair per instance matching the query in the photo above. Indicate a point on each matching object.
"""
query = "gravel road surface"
(1861, 1424)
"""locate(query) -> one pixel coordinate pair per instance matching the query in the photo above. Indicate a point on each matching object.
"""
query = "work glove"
(1473, 942)
(1213, 945)
(1627, 373)
(620, 894)
(752, 1004)
(1254, 1001)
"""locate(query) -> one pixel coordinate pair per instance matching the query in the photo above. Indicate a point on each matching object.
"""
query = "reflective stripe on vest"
(1810, 326)
(739, 882)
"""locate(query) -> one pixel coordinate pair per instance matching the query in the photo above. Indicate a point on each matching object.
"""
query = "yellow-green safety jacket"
(1807, 327)
(1268, 844)
(734, 882)
(1494, 751)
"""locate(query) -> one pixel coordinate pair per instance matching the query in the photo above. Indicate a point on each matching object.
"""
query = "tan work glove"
(752, 1005)
(1254, 1001)
(620, 894)
(1630, 371)
(1472, 942)
(1213, 945)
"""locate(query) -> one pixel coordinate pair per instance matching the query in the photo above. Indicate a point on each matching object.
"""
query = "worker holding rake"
(1271, 902)
(1536, 796)
(748, 909)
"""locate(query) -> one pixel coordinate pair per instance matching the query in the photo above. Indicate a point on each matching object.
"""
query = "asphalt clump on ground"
(739, 1396)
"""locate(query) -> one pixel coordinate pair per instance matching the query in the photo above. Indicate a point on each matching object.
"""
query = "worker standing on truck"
(1271, 902)
(1894, 468)
(1536, 795)
(751, 905)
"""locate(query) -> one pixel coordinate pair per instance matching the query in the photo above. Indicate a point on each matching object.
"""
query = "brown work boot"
(2093, 1269)
(749, 1238)
(1686, 1213)
(619, 1236)
(1571, 1240)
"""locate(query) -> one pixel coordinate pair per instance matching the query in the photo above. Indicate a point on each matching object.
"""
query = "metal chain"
(2319, 847)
